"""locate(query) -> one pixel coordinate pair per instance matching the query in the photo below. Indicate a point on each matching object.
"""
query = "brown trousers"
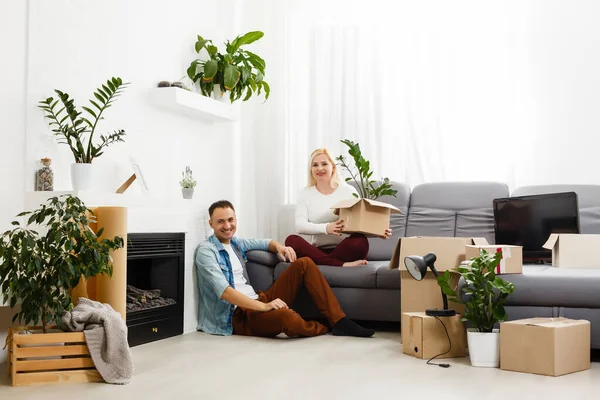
(302, 272)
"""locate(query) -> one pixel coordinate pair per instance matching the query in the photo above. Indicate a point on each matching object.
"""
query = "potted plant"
(77, 130)
(237, 71)
(361, 174)
(39, 270)
(187, 183)
(484, 297)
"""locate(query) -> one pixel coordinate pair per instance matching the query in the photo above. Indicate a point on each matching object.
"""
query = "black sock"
(347, 327)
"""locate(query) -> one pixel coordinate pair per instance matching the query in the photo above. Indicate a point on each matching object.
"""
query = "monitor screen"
(528, 221)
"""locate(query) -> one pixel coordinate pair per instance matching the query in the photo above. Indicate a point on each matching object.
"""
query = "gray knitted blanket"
(106, 336)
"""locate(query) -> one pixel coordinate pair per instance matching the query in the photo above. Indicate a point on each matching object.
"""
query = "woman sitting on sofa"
(315, 217)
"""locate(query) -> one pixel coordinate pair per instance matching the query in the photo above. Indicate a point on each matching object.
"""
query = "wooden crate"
(50, 358)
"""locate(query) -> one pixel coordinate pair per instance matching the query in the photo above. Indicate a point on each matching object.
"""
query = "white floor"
(212, 367)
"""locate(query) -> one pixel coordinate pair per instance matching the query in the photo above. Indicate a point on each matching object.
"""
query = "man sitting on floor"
(228, 303)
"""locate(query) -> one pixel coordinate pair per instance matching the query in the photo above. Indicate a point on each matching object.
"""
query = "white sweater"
(313, 213)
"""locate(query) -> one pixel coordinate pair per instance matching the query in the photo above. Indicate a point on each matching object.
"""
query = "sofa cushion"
(454, 209)
(352, 277)
(587, 195)
(387, 278)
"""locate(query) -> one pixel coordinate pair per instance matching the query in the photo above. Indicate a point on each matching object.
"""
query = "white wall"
(13, 42)
(563, 45)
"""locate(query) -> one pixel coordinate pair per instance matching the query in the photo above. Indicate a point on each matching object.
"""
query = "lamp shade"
(417, 265)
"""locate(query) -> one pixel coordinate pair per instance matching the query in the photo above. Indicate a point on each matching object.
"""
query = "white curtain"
(432, 91)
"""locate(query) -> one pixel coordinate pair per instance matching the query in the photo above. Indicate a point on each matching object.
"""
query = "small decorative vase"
(218, 94)
(188, 193)
(44, 178)
(81, 176)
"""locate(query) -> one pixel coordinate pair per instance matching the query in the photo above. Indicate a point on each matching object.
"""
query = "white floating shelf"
(193, 104)
(95, 199)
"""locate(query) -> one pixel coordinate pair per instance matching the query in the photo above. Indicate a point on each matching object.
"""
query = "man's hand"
(387, 234)
(274, 305)
(286, 253)
(335, 228)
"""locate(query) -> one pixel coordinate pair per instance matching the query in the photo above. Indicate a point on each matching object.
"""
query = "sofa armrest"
(263, 257)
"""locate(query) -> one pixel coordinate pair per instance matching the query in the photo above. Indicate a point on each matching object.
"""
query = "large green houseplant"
(237, 70)
(362, 175)
(38, 270)
(484, 296)
(77, 130)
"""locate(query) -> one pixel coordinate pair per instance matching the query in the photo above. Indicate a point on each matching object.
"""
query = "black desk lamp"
(417, 267)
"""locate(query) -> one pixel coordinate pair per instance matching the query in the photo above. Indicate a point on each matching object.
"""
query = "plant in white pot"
(484, 295)
(77, 131)
(38, 270)
(187, 183)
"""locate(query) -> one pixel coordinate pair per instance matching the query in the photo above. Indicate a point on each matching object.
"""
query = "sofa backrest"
(454, 209)
(380, 249)
(589, 202)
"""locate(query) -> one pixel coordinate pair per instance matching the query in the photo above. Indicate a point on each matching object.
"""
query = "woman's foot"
(356, 263)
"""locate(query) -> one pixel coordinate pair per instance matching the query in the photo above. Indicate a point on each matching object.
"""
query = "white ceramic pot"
(484, 348)
(188, 193)
(81, 176)
(220, 95)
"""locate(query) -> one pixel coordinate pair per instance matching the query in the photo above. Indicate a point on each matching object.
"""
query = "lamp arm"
(444, 297)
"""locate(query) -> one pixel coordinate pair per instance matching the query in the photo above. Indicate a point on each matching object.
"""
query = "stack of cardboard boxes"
(549, 346)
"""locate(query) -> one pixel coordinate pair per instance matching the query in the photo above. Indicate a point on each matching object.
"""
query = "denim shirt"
(215, 274)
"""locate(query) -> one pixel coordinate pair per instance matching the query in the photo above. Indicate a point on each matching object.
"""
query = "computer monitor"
(528, 221)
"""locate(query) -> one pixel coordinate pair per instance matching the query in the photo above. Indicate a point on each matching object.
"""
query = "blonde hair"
(335, 179)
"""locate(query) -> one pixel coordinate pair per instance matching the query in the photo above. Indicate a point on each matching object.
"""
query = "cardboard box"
(424, 336)
(511, 261)
(545, 346)
(570, 250)
(417, 296)
(369, 217)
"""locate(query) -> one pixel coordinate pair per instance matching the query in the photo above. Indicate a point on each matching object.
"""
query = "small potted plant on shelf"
(237, 72)
(483, 296)
(77, 131)
(39, 270)
(187, 183)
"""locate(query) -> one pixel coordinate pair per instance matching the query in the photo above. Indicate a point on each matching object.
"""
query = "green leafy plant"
(77, 130)
(238, 71)
(39, 270)
(187, 180)
(486, 292)
(361, 174)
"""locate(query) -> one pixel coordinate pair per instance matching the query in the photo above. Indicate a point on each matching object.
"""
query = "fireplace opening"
(155, 278)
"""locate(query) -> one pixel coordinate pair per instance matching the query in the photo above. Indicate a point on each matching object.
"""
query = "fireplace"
(155, 273)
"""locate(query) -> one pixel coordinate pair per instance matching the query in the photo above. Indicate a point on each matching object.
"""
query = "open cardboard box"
(511, 259)
(369, 217)
(417, 296)
(571, 250)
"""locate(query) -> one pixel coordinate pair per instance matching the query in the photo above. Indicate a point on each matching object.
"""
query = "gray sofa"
(372, 292)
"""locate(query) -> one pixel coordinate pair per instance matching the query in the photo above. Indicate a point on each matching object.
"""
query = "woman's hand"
(387, 234)
(335, 228)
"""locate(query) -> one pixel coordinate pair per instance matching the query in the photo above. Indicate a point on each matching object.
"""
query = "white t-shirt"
(313, 213)
(240, 283)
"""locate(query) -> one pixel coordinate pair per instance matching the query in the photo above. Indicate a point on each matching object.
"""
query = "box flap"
(480, 241)
(393, 210)
(551, 242)
(394, 262)
(348, 203)
(548, 322)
